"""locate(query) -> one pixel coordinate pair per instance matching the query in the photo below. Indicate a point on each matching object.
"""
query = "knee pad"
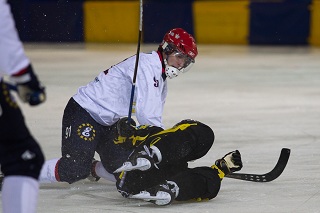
(205, 138)
(72, 169)
(23, 157)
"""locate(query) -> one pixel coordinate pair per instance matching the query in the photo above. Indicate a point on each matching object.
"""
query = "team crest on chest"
(86, 132)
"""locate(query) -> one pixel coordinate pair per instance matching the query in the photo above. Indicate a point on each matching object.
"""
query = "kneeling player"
(157, 170)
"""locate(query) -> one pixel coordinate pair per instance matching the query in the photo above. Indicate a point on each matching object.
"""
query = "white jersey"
(107, 98)
(12, 56)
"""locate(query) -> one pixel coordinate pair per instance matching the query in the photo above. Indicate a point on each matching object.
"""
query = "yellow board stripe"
(314, 38)
(221, 22)
(115, 21)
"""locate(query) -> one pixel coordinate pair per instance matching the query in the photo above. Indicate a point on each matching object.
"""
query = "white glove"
(29, 88)
(231, 162)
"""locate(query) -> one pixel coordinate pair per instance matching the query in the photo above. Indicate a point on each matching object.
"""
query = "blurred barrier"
(279, 22)
(276, 22)
(221, 22)
(315, 23)
(48, 21)
(112, 21)
(161, 16)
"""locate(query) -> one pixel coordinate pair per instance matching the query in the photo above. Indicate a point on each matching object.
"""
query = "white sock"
(102, 172)
(47, 174)
(19, 194)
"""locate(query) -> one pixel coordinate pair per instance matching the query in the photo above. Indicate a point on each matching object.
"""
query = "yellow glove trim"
(221, 173)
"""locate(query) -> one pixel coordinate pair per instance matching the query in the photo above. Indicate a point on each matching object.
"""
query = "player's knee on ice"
(71, 170)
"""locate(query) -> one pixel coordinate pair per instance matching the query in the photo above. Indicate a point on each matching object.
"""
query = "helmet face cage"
(187, 60)
(170, 49)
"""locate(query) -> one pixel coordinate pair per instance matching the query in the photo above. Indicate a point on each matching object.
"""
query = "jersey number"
(68, 132)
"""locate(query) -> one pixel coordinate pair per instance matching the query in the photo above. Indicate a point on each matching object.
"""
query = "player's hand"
(31, 96)
(29, 88)
(230, 163)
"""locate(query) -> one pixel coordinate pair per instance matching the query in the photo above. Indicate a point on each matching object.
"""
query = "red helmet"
(181, 41)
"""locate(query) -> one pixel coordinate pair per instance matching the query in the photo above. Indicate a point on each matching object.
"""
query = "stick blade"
(270, 176)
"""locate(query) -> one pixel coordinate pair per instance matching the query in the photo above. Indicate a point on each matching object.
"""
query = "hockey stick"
(270, 176)
(123, 175)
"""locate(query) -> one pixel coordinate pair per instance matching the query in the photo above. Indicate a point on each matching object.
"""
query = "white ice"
(257, 99)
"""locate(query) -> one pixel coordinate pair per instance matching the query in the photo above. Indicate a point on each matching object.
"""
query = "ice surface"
(257, 100)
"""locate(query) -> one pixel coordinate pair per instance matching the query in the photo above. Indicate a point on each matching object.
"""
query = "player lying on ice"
(157, 170)
(157, 162)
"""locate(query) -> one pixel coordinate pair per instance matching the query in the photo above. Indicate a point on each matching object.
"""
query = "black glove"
(124, 128)
(28, 87)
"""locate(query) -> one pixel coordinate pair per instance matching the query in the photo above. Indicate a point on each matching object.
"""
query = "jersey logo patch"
(86, 132)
